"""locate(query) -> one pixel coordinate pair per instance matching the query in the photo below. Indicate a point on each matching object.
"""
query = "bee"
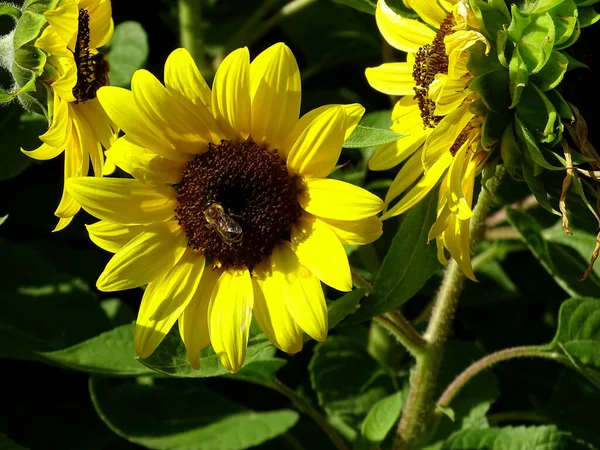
(227, 227)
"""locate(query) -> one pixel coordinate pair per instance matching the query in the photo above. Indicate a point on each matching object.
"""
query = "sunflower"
(74, 72)
(229, 211)
(443, 133)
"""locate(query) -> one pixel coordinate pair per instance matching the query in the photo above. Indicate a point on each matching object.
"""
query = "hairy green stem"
(306, 407)
(403, 331)
(192, 31)
(417, 416)
(532, 351)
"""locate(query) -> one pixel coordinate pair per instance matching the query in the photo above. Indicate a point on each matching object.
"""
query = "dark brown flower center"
(430, 60)
(236, 202)
(92, 70)
(461, 139)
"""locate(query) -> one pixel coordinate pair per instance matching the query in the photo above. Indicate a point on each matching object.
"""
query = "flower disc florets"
(233, 185)
(430, 60)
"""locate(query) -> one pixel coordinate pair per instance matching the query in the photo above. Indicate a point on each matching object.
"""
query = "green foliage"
(368, 137)
(381, 418)
(127, 52)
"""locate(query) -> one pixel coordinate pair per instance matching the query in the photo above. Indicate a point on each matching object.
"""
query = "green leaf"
(511, 153)
(578, 330)
(408, 264)
(535, 112)
(128, 51)
(5, 442)
(564, 17)
(161, 417)
(352, 399)
(518, 77)
(588, 16)
(536, 42)
(512, 438)
(366, 6)
(381, 418)
(363, 137)
(339, 309)
(170, 358)
(552, 73)
(492, 86)
(28, 28)
(564, 265)
(493, 14)
(540, 6)
(493, 127)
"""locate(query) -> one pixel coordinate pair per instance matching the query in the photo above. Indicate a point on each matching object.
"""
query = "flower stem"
(397, 324)
(532, 351)
(307, 408)
(418, 413)
(191, 31)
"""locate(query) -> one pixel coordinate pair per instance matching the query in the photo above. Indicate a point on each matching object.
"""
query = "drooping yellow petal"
(447, 93)
(64, 20)
(123, 201)
(406, 120)
(183, 76)
(102, 126)
(356, 232)
(193, 322)
(145, 165)
(457, 241)
(111, 236)
(120, 106)
(433, 12)
(392, 78)
(457, 201)
(76, 165)
(229, 317)
(404, 34)
(92, 149)
(334, 199)
(67, 79)
(275, 94)
(270, 311)
(61, 128)
(319, 250)
(318, 148)
(44, 152)
(143, 259)
(231, 95)
(101, 23)
(164, 301)
(456, 45)
(303, 295)
(406, 176)
(427, 182)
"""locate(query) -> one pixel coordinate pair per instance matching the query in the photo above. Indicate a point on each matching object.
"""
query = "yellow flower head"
(75, 71)
(443, 134)
(229, 211)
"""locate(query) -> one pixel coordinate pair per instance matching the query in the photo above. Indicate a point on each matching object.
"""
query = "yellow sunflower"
(443, 134)
(74, 72)
(229, 211)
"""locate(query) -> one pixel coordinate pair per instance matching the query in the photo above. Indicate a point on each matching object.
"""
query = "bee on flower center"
(92, 69)
(229, 230)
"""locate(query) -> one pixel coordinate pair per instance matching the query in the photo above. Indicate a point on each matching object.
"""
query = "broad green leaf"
(161, 417)
(408, 264)
(339, 309)
(381, 418)
(128, 51)
(581, 241)
(561, 263)
(579, 330)
(261, 372)
(512, 438)
(368, 137)
(352, 399)
(5, 442)
(366, 6)
(588, 16)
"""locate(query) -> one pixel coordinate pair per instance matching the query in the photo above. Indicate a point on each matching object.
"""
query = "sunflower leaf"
(366, 6)
(381, 418)
(162, 417)
(128, 51)
(363, 137)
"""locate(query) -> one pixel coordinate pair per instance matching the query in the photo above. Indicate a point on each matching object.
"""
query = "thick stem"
(397, 324)
(307, 408)
(418, 412)
(488, 361)
(192, 31)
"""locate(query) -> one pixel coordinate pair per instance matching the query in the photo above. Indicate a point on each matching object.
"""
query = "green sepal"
(552, 73)
(560, 105)
(31, 58)
(575, 63)
(564, 17)
(8, 9)
(501, 49)
(511, 153)
(478, 108)
(588, 16)
(537, 187)
(479, 63)
(536, 42)
(5, 96)
(537, 113)
(28, 28)
(572, 39)
(539, 6)
(39, 6)
(493, 127)
(493, 89)
(581, 3)
(518, 77)
(530, 149)
(492, 14)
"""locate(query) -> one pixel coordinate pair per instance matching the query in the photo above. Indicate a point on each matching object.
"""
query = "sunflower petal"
(392, 78)
(143, 259)
(231, 94)
(275, 93)
(356, 232)
(334, 199)
(432, 12)
(404, 34)
(123, 201)
(193, 322)
(64, 19)
(44, 152)
(406, 176)
(303, 295)
(229, 317)
(319, 250)
(164, 301)
(182, 75)
(60, 131)
(101, 23)
(111, 236)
